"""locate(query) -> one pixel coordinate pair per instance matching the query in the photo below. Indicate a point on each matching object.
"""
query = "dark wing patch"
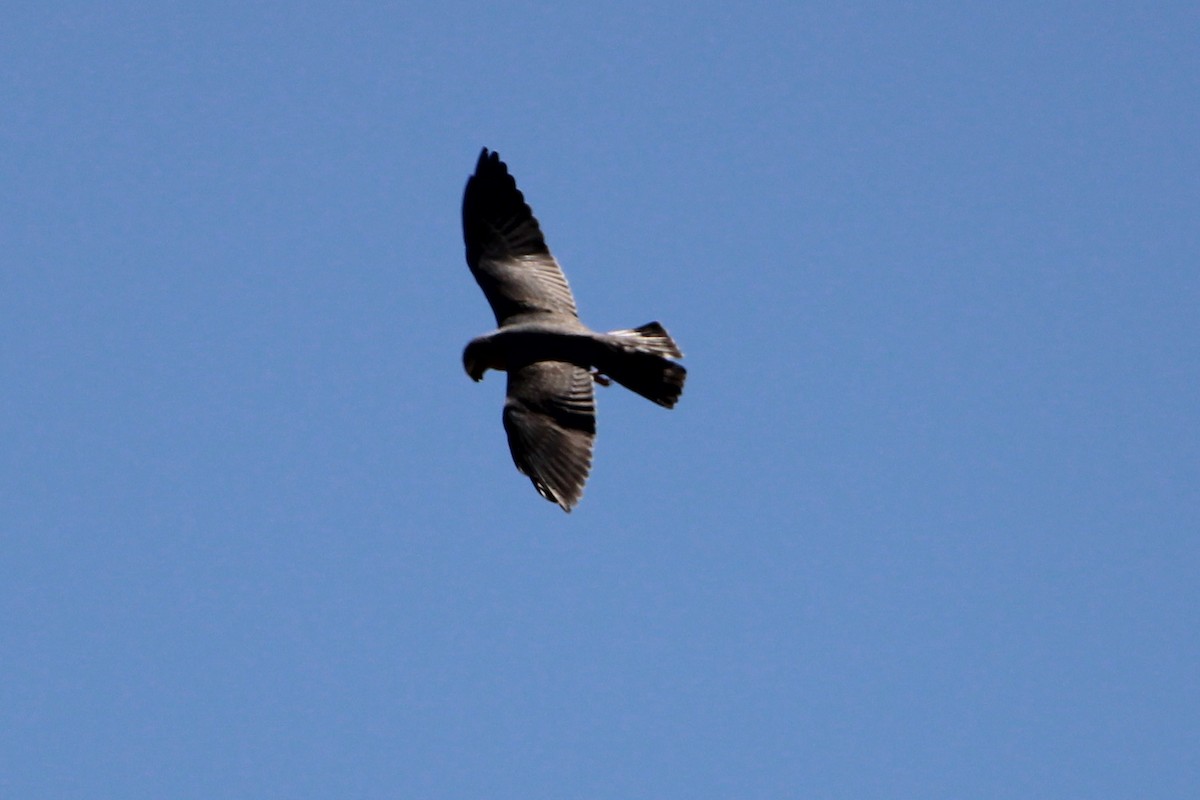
(550, 419)
(505, 247)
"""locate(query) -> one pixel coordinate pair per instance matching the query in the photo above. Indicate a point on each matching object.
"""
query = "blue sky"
(924, 523)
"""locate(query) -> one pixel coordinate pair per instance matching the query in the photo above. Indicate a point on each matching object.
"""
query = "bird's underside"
(552, 359)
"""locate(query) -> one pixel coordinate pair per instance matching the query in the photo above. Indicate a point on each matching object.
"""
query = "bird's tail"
(640, 360)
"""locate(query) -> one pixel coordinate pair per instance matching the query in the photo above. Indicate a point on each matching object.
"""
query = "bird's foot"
(600, 378)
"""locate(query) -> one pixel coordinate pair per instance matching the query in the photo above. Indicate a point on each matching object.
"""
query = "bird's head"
(479, 357)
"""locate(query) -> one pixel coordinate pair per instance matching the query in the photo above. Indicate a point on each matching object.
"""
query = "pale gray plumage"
(551, 357)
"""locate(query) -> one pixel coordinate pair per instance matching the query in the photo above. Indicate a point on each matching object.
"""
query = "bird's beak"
(473, 369)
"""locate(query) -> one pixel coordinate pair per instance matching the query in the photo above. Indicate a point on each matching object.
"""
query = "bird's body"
(551, 340)
(550, 356)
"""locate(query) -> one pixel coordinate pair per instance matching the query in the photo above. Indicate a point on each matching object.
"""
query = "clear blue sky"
(926, 522)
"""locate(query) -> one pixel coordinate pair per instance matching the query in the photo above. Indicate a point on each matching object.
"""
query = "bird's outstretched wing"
(505, 248)
(550, 419)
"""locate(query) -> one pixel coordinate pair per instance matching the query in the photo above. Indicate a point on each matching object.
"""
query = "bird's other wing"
(550, 419)
(505, 248)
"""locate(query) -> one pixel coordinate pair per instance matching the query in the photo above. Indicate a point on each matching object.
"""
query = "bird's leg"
(600, 378)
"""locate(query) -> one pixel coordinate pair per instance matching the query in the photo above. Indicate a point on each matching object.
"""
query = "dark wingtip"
(487, 156)
(491, 194)
(565, 503)
(489, 167)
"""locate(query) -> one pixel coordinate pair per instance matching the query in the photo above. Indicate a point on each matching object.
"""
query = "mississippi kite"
(551, 357)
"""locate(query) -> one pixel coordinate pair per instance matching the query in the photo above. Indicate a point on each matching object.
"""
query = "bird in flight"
(552, 358)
